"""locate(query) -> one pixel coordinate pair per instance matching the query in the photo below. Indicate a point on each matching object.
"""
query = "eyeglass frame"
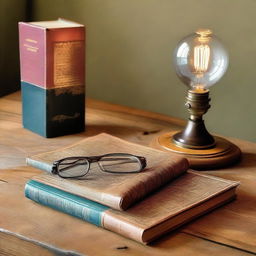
(92, 159)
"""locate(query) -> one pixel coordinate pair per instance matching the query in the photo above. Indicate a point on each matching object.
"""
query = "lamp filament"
(201, 58)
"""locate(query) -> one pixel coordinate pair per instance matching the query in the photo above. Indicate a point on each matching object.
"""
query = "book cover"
(118, 191)
(52, 67)
(180, 201)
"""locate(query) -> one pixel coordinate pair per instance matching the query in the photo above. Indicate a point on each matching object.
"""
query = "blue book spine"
(60, 200)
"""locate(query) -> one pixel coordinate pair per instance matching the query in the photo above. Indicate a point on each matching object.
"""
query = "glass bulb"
(200, 60)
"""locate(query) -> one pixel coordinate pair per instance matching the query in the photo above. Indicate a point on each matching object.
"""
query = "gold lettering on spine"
(67, 63)
(30, 47)
(31, 40)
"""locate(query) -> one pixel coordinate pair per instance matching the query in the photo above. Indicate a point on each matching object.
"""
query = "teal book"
(180, 201)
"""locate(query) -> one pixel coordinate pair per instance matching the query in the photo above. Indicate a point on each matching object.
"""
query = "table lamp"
(200, 61)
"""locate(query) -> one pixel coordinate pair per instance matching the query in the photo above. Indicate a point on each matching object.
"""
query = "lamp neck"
(195, 134)
(197, 103)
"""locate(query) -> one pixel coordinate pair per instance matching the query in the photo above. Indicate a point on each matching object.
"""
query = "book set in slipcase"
(52, 65)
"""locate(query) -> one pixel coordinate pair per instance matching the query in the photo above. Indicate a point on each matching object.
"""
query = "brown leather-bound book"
(118, 191)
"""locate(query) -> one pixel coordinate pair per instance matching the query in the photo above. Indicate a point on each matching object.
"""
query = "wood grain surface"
(230, 230)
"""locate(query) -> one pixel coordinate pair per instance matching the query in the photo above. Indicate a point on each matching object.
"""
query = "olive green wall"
(129, 54)
(11, 11)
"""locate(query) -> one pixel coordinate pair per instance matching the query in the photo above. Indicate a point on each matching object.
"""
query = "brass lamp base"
(224, 153)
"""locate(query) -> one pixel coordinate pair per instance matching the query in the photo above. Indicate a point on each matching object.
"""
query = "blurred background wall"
(11, 12)
(129, 53)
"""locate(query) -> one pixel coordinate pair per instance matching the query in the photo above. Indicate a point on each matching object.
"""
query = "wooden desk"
(30, 229)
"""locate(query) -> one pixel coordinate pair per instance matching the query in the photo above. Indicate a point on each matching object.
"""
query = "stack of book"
(141, 206)
(52, 68)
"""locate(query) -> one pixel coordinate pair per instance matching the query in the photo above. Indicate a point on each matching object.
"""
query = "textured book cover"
(180, 201)
(52, 67)
(118, 191)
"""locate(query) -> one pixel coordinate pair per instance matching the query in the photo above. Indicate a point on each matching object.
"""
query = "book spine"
(158, 178)
(82, 208)
(32, 54)
(76, 206)
(33, 108)
(39, 165)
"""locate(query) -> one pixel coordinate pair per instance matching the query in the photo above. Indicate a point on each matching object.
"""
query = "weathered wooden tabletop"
(27, 228)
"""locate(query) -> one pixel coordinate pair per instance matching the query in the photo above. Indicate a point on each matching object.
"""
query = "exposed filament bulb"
(201, 58)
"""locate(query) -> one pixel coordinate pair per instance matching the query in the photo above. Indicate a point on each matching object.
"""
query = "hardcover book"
(181, 200)
(118, 191)
(52, 67)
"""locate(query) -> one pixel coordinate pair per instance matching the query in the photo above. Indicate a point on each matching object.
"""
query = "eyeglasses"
(79, 166)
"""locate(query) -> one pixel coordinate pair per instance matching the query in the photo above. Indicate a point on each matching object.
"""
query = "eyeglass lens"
(73, 168)
(120, 163)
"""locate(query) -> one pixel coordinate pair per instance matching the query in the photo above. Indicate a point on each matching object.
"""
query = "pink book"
(52, 53)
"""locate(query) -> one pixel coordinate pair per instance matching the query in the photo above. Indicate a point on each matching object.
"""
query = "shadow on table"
(247, 160)
(119, 130)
